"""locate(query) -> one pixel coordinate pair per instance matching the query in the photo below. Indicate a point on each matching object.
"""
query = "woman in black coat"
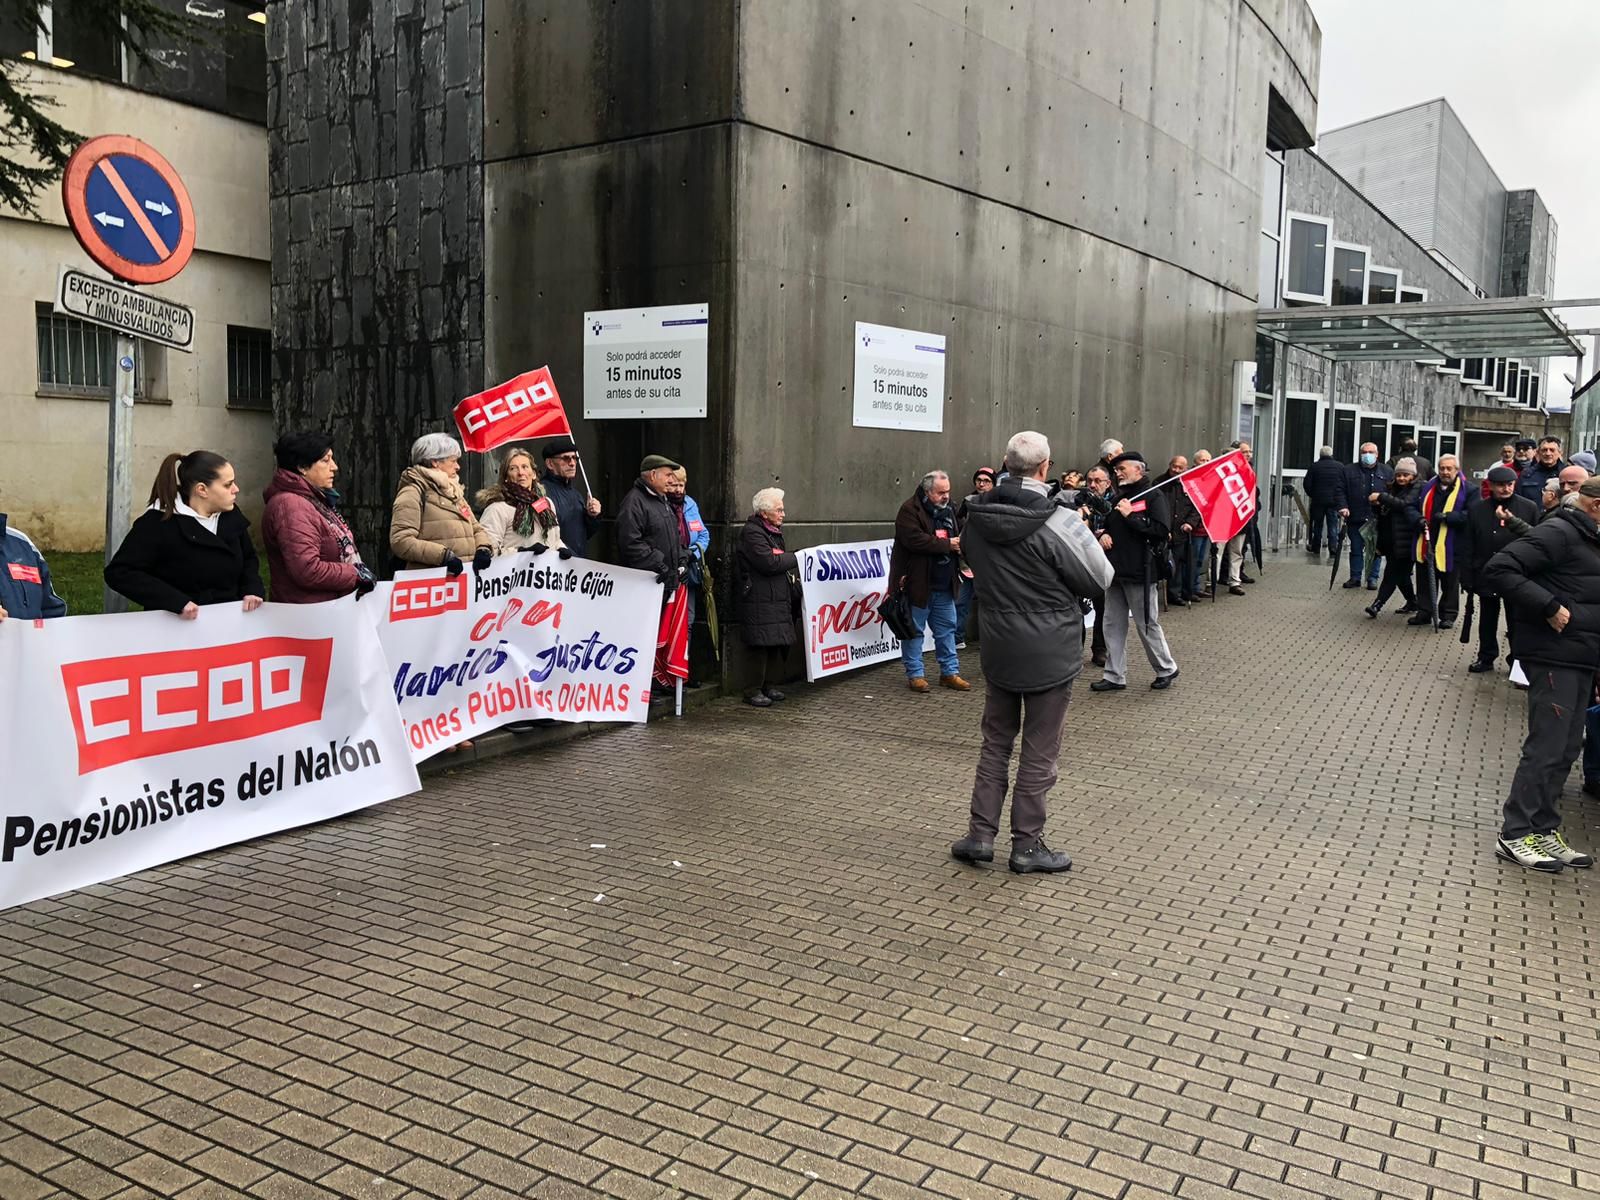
(763, 591)
(1398, 521)
(192, 546)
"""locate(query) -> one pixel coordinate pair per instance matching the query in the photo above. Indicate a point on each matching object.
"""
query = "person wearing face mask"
(311, 554)
(1442, 510)
(517, 512)
(1547, 464)
(1397, 522)
(1363, 478)
(1551, 582)
(192, 546)
(925, 564)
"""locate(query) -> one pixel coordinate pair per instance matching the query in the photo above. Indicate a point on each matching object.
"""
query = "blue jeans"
(963, 608)
(941, 613)
(1358, 552)
(1199, 563)
(1591, 746)
(1324, 517)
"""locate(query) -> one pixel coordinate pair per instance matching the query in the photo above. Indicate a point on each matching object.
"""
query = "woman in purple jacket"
(310, 551)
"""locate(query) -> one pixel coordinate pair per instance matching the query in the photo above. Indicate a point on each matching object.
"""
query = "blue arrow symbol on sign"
(108, 219)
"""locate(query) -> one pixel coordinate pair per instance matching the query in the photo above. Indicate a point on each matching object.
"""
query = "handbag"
(895, 612)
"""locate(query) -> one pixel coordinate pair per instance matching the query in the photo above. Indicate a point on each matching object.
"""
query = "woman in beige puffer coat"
(431, 524)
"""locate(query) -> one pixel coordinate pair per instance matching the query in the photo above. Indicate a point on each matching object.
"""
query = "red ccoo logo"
(148, 704)
(414, 598)
(835, 656)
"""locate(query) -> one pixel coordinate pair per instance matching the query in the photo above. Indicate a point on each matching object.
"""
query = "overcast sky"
(1520, 74)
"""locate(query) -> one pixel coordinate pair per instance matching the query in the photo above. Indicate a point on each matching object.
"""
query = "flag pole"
(1157, 487)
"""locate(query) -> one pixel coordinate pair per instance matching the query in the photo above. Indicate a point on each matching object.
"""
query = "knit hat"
(1584, 459)
(1405, 466)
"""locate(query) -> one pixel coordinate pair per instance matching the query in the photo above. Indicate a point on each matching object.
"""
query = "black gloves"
(539, 548)
(365, 580)
(452, 564)
(683, 569)
(565, 552)
(661, 576)
(482, 559)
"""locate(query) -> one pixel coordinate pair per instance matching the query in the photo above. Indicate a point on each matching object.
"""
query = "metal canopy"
(1516, 328)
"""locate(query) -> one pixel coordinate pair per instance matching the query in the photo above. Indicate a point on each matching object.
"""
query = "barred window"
(249, 367)
(75, 357)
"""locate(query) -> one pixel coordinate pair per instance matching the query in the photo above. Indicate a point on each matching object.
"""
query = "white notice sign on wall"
(899, 379)
(645, 362)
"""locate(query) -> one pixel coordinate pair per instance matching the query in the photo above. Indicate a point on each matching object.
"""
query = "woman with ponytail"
(517, 514)
(191, 546)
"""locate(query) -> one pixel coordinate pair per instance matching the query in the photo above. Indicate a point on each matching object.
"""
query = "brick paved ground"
(1286, 964)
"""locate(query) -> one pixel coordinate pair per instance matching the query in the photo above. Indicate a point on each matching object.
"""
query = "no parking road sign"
(128, 208)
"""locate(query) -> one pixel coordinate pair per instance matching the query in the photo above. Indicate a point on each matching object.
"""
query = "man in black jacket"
(1136, 532)
(577, 516)
(1185, 520)
(1033, 561)
(1362, 478)
(647, 528)
(1547, 464)
(1324, 484)
(1551, 581)
(1492, 525)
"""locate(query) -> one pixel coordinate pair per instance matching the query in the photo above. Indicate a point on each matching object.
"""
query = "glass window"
(1398, 433)
(1524, 384)
(1383, 286)
(1533, 391)
(1343, 440)
(1500, 376)
(1412, 295)
(82, 39)
(17, 36)
(1448, 443)
(1349, 275)
(1374, 430)
(225, 69)
(1267, 273)
(1271, 193)
(1266, 367)
(1472, 370)
(1428, 444)
(1308, 260)
(1299, 432)
(1453, 365)
(249, 368)
(75, 357)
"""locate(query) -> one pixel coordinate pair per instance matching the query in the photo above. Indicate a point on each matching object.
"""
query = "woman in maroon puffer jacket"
(310, 551)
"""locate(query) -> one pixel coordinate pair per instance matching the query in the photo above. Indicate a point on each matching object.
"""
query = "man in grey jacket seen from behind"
(1032, 562)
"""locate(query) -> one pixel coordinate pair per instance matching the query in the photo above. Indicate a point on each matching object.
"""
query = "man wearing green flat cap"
(647, 528)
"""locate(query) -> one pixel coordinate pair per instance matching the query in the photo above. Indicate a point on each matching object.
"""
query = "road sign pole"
(119, 461)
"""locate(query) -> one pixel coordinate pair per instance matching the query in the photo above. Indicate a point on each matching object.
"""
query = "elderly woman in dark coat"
(763, 591)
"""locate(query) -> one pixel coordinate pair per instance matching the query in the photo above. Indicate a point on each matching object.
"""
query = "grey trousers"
(1120, 597)
(1039, 717)
(1557, 700)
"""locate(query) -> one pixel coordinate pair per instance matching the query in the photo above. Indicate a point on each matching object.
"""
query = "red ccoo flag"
(672, 639)
(522, 408)
(1224, 490)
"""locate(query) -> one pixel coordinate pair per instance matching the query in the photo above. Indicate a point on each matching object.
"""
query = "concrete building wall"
(53, 455)
(1071, 195)
(1421, 166)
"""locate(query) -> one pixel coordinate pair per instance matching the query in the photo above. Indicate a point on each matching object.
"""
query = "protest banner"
(841, 586)
(531, 637)
(137, 739)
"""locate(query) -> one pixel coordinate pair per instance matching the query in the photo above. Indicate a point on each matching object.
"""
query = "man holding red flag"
(1135, 540)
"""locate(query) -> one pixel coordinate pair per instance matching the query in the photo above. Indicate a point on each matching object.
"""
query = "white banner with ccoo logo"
(137, 739)
(841, 586)
(533, 637)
